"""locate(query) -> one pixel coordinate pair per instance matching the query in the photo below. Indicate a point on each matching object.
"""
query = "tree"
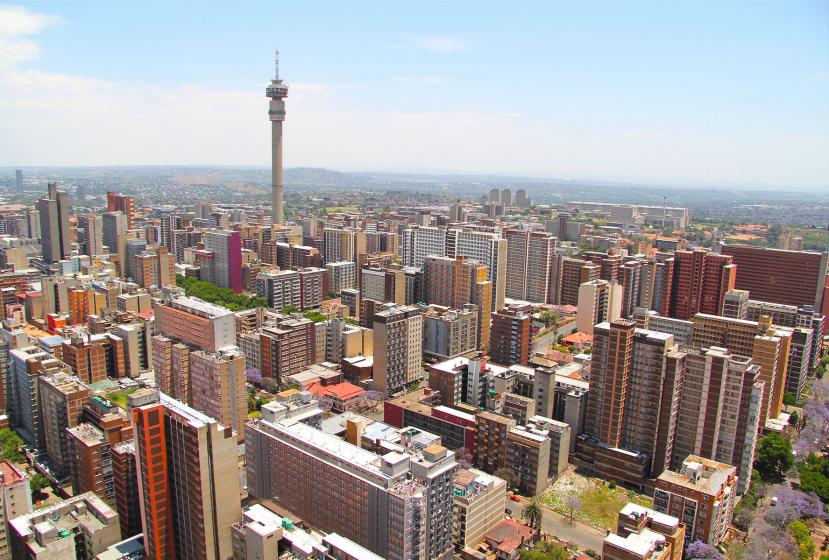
(803, 537)
(270, 385)
(699, 550)
(793, 505)
(793, 419)
(773, 457)
(532, 514)
(574, 504)
(789, 399)
(253, 376)
(549, 318)
(814, 476)
(290, 309)
(545, 550)
(315, 316)
(38, 483)
(11, 446)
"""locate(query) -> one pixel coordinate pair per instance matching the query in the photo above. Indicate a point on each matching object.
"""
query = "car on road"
(514, 498)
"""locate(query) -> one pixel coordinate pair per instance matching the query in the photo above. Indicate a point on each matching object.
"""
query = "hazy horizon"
(702, 95)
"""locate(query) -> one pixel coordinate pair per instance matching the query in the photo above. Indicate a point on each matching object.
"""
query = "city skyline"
(669, 93)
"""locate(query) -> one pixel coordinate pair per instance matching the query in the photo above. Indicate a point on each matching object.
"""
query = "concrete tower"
(277, 92)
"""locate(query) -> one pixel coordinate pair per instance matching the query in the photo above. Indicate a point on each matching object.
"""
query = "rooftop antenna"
(277, 66)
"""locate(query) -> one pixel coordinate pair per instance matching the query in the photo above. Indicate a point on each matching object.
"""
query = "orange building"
(117, 202)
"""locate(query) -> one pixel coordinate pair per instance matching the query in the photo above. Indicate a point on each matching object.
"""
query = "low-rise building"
(644, 534)
(79, 527)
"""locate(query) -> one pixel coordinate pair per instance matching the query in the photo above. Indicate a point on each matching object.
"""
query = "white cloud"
(15, 23)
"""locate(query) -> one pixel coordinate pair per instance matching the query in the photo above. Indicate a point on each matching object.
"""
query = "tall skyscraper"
(117, 202)
(398, 348)
(633, 404)
(700, 283)
(132, 248)
(114, 230)
(530, 257)
(277, 91)
(90, 235)
(510, 335)
(221, 261)
(54, 224)
(18, 180)
(188, 479)
(599, 301)
(720, 411)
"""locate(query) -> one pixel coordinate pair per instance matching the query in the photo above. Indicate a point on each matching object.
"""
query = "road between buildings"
(559, 526)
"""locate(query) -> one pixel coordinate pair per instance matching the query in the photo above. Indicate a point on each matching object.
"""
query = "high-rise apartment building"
(735, 304)
(510, 338)
(567, 276)
(287, 347)
(54, 224)
(125, 488)
(114, 226)
(23, 400)
(789, 277)
(529, 263)
(187, 468)
(748, 338)
(155, 270)
(117, 202)
(398, 505)
(700, 282)
(387, 285)
(451, 333)
(720, 411)
(702, 495)
(90, 235)
(132, 248)
(195, 322)
(61, 398)
(456, 282)
(217, 384)
(345, 244)
(487, 248)
(398, 348)
(90, 456)
(340, 276)
(221, 261)
(655, 285)
(633, 403)
(15, 500)
(599, 301)
(421, 242)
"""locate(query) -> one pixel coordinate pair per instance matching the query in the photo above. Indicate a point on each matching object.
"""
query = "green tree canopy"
(773, 456)
(11, 446)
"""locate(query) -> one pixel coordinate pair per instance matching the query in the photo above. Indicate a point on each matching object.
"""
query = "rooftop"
(701, 474)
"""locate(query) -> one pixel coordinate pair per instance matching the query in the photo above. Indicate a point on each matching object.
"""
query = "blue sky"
(713, 93)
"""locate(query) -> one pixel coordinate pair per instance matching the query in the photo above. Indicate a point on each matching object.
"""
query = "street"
(559, 526)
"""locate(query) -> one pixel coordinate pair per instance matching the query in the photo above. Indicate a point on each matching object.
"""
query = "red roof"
(578, 338)
(340, 391)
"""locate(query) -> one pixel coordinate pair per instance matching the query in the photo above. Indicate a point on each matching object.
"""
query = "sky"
(714, 93)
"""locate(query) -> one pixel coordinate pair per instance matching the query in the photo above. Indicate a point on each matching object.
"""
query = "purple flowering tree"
(699, 550)
(254, 376)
